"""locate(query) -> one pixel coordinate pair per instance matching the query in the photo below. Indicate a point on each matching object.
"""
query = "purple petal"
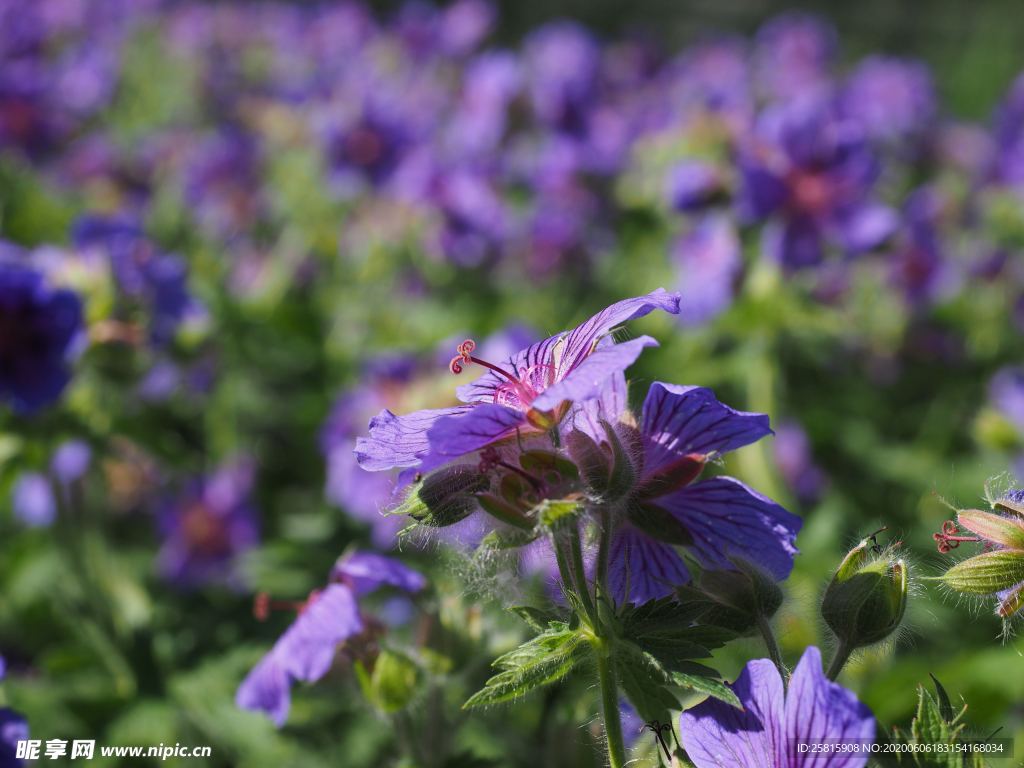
(71, 460)
(32, 500)
(709, 259)
(762, 193)
(647, 564)
(584, 381)
(608, 406)
(725, 518)
(680, 420)
(266, 689)
(818, 709)
(453, 436)
(567, 350)
(367, 570)
(797, 244)
(867, 226)
(718, 735)
(399, 441)
(306, 649)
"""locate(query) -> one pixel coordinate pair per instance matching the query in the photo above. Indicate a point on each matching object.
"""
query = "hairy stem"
(610, 708)
(563, 563)
(581, 578)
(773, 647)
(838, 661)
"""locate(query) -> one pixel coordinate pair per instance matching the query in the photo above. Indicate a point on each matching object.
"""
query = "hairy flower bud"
(445, 497)
(739, 599)
(867, 598)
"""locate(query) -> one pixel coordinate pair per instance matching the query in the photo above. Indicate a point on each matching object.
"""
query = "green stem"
(773, 647)
(581, 577)
(610, 709)
(563, 564)
(838, 661)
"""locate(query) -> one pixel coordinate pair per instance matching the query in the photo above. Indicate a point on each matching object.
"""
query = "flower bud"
(445, 497)
(867, 598)
(737, 599)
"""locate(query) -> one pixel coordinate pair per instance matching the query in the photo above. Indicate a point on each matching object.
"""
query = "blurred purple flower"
(39, 332)
(917, 263)
(208, 527)
(681, 429)
(490, 82)
(532, 392)
(222, 182)
(709, 261)
(792, 451)
(793, 56)
(561, 61)
(13, 728)
(161, 280)
(464, 24)
(691, 185)
(1009, 136)
(330, 616)
(1006, 393)
(814, 172)
(70, 461)
(33, 501)
(893, 99)
(773, 722)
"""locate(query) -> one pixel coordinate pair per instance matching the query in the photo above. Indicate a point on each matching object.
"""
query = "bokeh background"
(280, 218)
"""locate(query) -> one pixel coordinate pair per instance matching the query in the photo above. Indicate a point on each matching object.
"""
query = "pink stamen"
(948, 539)
(464, 356)
(262, 605)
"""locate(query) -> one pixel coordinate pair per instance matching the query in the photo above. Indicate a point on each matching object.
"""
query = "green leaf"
(664, 629)
(945, 707)
(538, 618)
(548, 657)
(708, 686)
(644, 686)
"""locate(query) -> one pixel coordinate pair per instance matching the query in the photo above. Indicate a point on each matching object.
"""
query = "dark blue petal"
(725, 518)
(650, 567)
(718, 735)
(680, 420)
(818, 709)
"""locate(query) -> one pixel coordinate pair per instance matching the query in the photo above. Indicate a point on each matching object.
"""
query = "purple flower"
(709, 262)
(531, 392)
(389, 381)
(718, 518)
(33, 500)
(208, 527)
(1009, 135)
(918, 264)
(893, 99)
(793, 56)
(490, 82)
(1006, 392)
(13, 728)
(814, 173)
(773, 721)
(70, 461)
(222, 182)
(692, 185)
(161, 280)
(562, 61)
(39, 328)
(329, 617)
(792, 452)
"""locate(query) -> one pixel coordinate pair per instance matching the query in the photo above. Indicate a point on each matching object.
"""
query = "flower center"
(515, 393)
(203, 531)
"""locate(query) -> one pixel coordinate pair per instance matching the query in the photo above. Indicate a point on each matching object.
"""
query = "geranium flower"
(773, 723)
(530, 392)
(328, 618)
(718, 518)
(38, 330)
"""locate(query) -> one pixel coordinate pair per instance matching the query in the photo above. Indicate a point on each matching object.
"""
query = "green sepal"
(445, 497)
(987, 573)
(539, 463)
(501, 510)
(623, 476)
(556, 513)
(593, 462)
(658, 523)
(392, 683)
